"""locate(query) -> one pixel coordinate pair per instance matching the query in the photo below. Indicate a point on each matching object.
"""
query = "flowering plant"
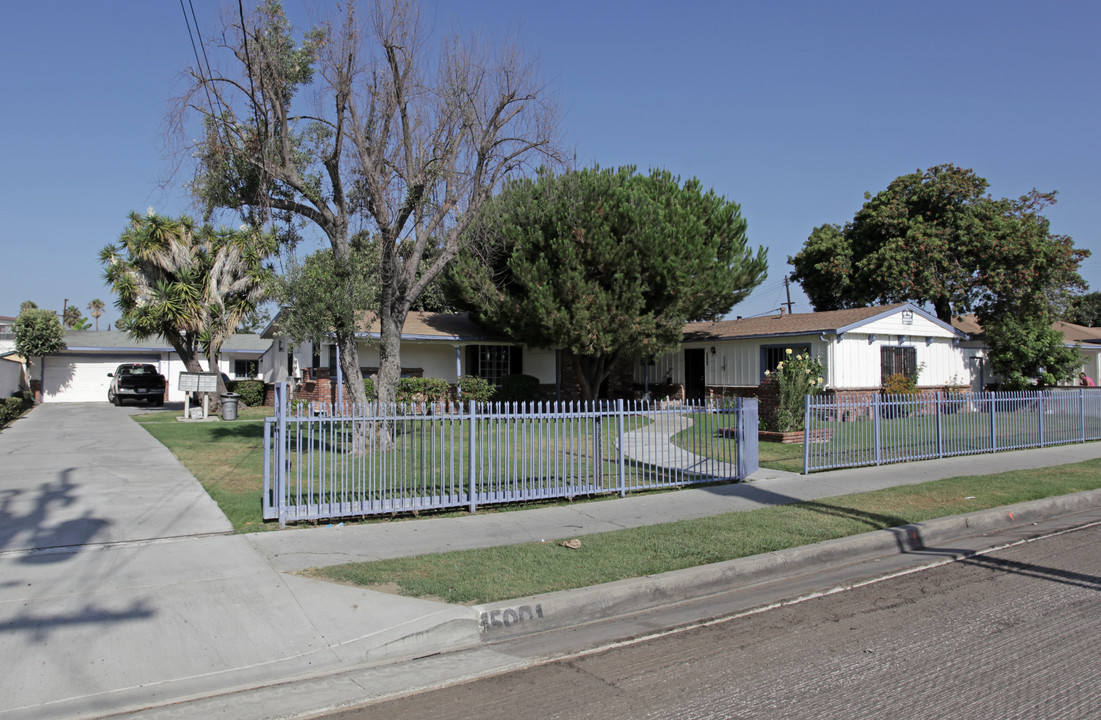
(795, 377)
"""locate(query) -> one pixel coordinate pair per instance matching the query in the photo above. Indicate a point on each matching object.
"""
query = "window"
(772, 355)
(245, 369)
(896, 360)
(493, 362)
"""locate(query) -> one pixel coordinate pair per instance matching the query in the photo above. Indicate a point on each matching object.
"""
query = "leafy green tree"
(27, 305)
(95, 309)
(359, 123)
(1085, 310)
(606, 264)
(937, 238)
(1025, 351)
(38, 333)
(318, 294)
(190, 285)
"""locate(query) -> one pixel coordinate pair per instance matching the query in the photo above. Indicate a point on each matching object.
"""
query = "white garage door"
(83, 378)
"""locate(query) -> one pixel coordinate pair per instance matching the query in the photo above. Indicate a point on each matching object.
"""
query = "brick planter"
(816, 436)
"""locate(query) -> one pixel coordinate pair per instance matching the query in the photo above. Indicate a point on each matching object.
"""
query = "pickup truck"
(136, 381)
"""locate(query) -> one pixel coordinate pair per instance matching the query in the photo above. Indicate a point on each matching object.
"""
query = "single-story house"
(858, 347)
(79, 373)
(1086, 339)
(7, 334)
(13, 376)
(439, 345)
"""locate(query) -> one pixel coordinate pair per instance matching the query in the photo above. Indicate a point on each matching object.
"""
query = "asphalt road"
(1007, 635)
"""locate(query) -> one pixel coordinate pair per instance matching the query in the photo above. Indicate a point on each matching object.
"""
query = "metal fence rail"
(330, 461)
(898, 428)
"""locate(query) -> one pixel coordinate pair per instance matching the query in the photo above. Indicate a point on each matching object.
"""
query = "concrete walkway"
(121, 589)
(652, 445)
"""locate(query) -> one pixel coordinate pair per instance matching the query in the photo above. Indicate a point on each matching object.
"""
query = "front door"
(694, 385)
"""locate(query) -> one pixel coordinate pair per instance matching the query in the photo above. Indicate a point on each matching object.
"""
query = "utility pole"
(787, 289)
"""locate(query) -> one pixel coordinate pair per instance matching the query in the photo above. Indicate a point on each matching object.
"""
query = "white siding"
(11, 373)
(540, 364)
(921, 327)
(856, 361)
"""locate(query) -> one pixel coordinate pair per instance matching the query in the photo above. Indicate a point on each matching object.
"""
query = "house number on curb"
(510, 616)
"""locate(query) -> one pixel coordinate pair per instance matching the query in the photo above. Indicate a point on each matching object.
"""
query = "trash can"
(229, 406)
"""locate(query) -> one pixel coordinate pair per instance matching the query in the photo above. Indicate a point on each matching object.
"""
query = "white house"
(858, 347)
(438, 345)
(79, 373)
(7, 334)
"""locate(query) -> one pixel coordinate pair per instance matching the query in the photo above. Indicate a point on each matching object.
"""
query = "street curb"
(570, 608)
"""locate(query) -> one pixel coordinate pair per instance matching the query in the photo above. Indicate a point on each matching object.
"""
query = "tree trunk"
(943, 309)
(389, 356)
(591, 372)
(212, 364)
(349, 367)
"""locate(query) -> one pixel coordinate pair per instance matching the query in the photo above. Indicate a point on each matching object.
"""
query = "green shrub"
(476, 388)
(414, 389)
(13, 407)
(369, 389)
(899, 384)
(796, 377)
(251, 391)
(518, 388)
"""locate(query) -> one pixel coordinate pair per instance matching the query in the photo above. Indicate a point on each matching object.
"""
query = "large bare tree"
(359, 125)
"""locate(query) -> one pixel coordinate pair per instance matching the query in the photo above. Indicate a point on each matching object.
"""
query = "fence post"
(1082, 412)
(1040, 417)
(281, 452)
(993, 423)
(472, 429)
(620, 458)
(806, 434)
(936, 408)
(748, 449)
(876, 428)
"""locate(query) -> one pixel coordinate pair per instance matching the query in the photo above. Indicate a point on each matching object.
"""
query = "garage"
(83, 378)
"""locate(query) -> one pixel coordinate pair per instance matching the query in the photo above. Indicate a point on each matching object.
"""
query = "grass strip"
(500, 573)
(227, 458)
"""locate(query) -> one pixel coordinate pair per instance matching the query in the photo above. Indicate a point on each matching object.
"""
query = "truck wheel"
(112, 398)
(159, 402)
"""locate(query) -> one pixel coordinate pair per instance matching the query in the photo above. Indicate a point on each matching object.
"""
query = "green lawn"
(479, 576)
(227, 459)
(906, 436)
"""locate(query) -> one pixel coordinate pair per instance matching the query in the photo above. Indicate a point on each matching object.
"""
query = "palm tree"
(190, 285)
(95, 309)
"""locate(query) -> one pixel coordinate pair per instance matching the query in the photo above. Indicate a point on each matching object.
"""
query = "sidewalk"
(121, 589)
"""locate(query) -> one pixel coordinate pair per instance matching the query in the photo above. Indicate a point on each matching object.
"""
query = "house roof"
(783, 325)
(419, 325)
(108, 340)
(1072, 334)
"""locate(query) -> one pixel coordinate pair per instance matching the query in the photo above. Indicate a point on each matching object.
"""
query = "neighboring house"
(439, 345)
(13, 376)
(859, 349)
(79, 373)
(7, 334)
(1087, 339)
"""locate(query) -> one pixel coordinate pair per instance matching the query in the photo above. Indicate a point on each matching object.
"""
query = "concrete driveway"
(121, 587)
(85, 474)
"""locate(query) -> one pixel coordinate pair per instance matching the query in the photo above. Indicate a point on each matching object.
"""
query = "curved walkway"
(653, 445)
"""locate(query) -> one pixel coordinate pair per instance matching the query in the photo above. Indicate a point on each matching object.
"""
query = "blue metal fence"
(847, 432)
(335, 461)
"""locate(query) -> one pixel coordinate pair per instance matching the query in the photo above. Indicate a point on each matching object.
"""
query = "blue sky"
(791, 109)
